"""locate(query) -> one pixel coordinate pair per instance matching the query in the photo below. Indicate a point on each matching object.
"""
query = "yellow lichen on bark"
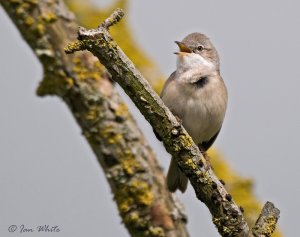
(135, 192)
(239, 187)
(90, 16)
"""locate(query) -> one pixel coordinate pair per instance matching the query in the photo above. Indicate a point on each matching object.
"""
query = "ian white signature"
(29, 229)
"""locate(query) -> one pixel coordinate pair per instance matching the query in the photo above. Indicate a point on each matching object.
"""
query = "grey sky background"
(48, 174)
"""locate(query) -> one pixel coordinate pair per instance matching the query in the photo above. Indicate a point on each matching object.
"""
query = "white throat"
(188, 61)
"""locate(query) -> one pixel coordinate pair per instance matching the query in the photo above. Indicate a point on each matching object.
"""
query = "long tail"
(175, 178)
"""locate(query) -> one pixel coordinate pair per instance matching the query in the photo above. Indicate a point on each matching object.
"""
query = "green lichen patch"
(134, 194)
(219, 223)
(268, 227)
(122, 110)
(21, 9)
(141, 226)
(40, 29)
(16, 1)
(92, 113)
(130, 165)
(189, 162)
(74, 46)
(155, 232)
(32, 2)
(135, 221)
(183, 142)
(28, 20)
(110, 134)
(49, 17)
(87, 74)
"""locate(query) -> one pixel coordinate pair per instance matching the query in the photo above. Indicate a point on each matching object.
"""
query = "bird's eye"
(200, 47)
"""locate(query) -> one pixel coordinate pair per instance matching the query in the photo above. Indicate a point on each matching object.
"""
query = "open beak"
(182, 48)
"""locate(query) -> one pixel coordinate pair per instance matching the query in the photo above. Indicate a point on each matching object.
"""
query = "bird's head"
(196, 50)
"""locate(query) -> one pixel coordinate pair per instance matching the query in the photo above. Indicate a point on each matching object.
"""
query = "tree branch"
(115, 17)
(266, 223)
(227, 216)
(136, 180)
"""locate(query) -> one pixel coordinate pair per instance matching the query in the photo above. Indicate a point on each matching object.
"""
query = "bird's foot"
(179, 120)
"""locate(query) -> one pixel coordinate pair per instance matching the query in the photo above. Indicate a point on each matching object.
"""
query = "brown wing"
(171, 78)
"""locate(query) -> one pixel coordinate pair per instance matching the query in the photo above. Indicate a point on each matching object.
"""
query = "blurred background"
(49, 175)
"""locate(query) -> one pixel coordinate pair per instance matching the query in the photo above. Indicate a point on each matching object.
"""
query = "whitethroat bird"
(197, 95)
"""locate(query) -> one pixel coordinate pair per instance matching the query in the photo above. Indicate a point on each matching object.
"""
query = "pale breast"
(202, 110)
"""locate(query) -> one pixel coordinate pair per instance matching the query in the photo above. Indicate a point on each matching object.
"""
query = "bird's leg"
(179, 120)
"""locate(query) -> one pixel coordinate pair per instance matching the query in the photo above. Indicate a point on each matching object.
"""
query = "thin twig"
(114, 18)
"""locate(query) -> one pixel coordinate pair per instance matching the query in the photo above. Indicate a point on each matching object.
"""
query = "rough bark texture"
(227, 216)
(90, 14)
(136, 180)
(266, 223)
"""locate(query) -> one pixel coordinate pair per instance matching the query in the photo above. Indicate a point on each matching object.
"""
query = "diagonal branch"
(136, 180)
(227, 216)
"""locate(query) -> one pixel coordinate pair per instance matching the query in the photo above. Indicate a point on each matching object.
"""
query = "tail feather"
(175, 178)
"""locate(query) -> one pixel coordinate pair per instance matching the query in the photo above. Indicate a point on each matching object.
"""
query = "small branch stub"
(115, 17)
(266, 223)
(74, 46)
(83, 33)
